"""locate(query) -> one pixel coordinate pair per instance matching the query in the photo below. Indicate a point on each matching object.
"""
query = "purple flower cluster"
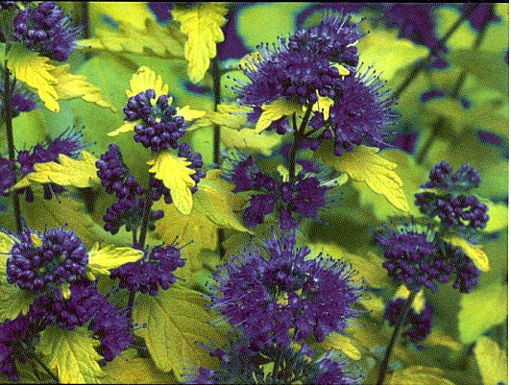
(419, 259)
(6, 176)
(45, 29)
(441, 177)
(155, 270)
(272, 289)
(115, 178)
(58, 256)
(86, 305)
(417, 324)
(159, 127)
(303, 198)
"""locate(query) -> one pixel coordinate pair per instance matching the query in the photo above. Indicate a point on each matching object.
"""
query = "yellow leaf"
(188, 114)
(36, 72)
(363, 165)
(274, 111)
(438, 338)
(474, 252)
(343, 71)
(419, 375)
(68, 172)
(103, 259)
(418, 303)
(136, 370)
(492, 361)
(131, 13)
(249, 60)
(342, 343)
(71, 86)
(144, 79)
(65, 290)
(174, 174)
(202, 25)
(14, 300)
(498, 215)
(323, 105)
(176, 320)
(6, 242)
(126, 127)
(264, 142)
(72, 353)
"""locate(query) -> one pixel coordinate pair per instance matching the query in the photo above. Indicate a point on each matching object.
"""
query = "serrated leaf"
(363, 165)
(67, 172)
(144, 79)
(176, 320)
(474, 252)
(188, 114)
(274, 111)
(215, 199)
(174, 174)
(71, 86)
(342, 343)
(103, 259)
(419, 375)
(36, 72)
(72, 354)
(265, 142)
(202, 25)
(481, 310)
(492, 361)
(136, 370)
(14, 300)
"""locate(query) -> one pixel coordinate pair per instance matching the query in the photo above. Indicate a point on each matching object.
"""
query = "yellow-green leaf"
(202, 25)
(342, 343)
(498, 215)
(72, 354)
(188, 114)
(144, 79)
(474, 252)
(174, 174)
(438, 338)
(363, 165)
(215, 199)
(323, 105)
(264, 142)
(6, 242)
(492, 361)
(136, 370)
(68, 172)
(419, 375)
(176, 320)
(419, 301)
(14, 300)
(481, 310)
(126, 127)
(36, 72)
(103, 259)
(71, 86)
(274, 111)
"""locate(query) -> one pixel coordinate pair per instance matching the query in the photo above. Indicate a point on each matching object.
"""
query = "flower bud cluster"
(417, 324)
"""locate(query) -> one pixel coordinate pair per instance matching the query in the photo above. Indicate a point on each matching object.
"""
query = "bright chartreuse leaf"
(176, 320)
(176, 176)
(67, 172)
(274, 111)
(103, 259)
(363, 165)
(14, 300)
(131, 13)
(481, 310)
(71, 354)
(144, 79)
(342, 343)
(264, 143)
(201, 23)
(215, 199)
(492, 361)
(498, 214)
(323, 105)
(474, 252)
(418, 303)
(419, 375)
(136, 370)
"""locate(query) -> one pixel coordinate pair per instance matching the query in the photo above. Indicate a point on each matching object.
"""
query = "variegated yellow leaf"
(492, 361)
(14, 300)
(126, 127)
(188, 114)
(146, 78)
(342, 343)
(103, 259)
(175, 175)
(71, 86)
(202, 25)
(474, 252)
(363, 165)
(274, 111)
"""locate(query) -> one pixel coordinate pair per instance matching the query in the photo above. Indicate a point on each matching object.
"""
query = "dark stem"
(393, 339)
(276, 365)
(298, 136)
(145, 218)
(84, 10)
(434, 51)
(7, 115)
(45, 368)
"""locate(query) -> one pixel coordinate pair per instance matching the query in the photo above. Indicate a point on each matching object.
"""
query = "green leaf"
(498, 214)
(202, 25)
(72, 354)
(481, 310)
(14, 301)
(274, 111)
(136, 370)
(474, 252)
(175, 175)
(342, 343)
(176, 320)
(419, 375)
(103, 259)
(363, 165)
(492, 361)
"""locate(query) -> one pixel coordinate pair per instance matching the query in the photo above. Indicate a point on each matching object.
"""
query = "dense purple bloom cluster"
(22, 101)
(151, 272)
(268, 290)
(159, 127)
(40, 262)
(417, 324)
(6, 176)
(420, 259)
(441, 177)
(45, 29)
(303, 198)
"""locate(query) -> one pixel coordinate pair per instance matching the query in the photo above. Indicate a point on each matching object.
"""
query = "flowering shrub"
(234, 193)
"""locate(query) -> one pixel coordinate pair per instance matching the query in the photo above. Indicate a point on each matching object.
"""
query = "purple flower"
(7, 5)
(481, 15)
(45, 29)
(441, 177)
(6, 176)
(57, 257)
(151, 272)
(417, 325)
(268, 290)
